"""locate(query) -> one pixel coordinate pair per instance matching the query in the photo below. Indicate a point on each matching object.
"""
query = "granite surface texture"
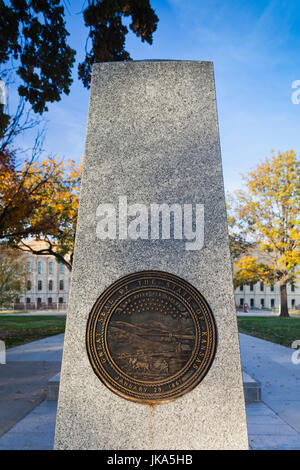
(152, 135)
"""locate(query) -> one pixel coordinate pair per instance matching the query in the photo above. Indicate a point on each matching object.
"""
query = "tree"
(17, 124)
(12, 276)
(58, 203)
(108, 34)
(39, 201)
(238, 244)
(267, 216)
(34, 37)
(20, 193)
(33, 44)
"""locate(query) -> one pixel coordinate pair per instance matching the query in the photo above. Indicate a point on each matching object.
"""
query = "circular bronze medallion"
(151, 337)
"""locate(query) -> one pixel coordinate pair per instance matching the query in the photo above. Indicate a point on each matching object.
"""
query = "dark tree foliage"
(108, 34)
(33, 42)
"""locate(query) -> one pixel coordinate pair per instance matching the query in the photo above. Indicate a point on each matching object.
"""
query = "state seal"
(151, 337)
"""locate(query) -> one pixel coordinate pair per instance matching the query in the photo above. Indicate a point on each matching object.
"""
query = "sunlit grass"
(16, 330)
(278, 330)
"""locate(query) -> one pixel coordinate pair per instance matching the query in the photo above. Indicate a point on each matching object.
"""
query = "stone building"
(47, 282)
(262, 296)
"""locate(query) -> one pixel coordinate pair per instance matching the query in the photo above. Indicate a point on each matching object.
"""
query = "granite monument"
(151, 356)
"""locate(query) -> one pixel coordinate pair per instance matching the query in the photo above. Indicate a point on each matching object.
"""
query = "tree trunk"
(284, 312)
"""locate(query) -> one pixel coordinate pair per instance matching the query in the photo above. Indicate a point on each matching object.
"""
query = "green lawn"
(278, 330)
(16, 330)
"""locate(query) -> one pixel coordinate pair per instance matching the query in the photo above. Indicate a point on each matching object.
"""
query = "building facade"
(47, 283)
(261, 296)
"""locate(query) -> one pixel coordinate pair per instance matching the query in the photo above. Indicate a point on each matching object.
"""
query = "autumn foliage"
(12, 275)
(39, 200)
(266, 216)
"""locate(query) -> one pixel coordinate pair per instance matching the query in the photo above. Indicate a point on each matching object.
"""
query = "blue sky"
(255, 47)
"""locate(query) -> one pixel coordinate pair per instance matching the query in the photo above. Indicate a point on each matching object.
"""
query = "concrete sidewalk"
(47, 350)
(257, 313)
(24, 378)
(263, 313)
(35, 314)
(34, 432)
(273, 423)
(277, 426)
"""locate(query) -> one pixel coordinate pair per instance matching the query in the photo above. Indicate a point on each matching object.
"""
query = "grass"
(16, 330)
(277, 330)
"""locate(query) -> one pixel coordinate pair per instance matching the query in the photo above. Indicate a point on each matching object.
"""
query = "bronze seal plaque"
(151, 337)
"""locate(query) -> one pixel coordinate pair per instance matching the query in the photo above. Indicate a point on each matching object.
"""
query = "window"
(242, 287)
(40, 267)
(252, 303)
(272, 288)
(292, 288)
(40, 285)
(61, 300)
(293, 303)
(50, 285)
(50, 300)
(61, 285)
(262, 303)
(262, 286)
(28, 285)
(39, 300)
(272, 303)
(29, 266)
(28, 300)
(61, 268)
(251, 287)
(51, 267)
(241, 302)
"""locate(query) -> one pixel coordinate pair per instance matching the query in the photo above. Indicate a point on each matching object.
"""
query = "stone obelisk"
(142, 304)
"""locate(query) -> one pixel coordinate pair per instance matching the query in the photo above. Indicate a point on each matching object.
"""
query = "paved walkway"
(24, 379)
(262, 313)
(35, 313)
(272, 424)
(48, 350)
